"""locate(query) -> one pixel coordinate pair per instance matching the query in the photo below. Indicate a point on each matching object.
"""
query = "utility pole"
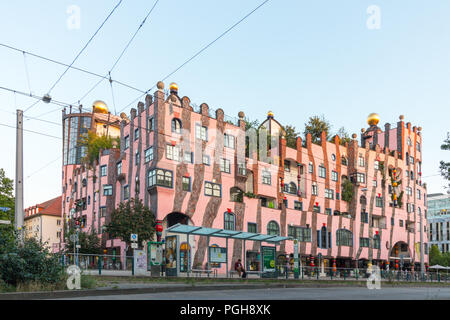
(422, 263)
(19, 176)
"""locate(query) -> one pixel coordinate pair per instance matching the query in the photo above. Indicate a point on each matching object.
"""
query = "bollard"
(99, 265)
(132, 267)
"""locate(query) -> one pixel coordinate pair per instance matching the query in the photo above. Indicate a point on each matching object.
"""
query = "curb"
(110, 292)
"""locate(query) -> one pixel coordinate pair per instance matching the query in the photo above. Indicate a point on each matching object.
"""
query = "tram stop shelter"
(227, 234)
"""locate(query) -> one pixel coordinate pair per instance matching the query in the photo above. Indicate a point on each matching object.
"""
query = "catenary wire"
(71, 67)
(200, 51)
(120, 56)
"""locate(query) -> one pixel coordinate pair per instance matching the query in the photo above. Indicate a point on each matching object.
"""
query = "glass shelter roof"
(222, 233)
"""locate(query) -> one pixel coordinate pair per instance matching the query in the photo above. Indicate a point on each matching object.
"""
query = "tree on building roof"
(291, 136)
(315, 126)
(95, 143)
(343, 135)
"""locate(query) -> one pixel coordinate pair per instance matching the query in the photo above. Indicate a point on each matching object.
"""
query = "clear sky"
(296, 58)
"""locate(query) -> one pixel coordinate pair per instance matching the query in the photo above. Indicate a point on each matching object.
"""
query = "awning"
(222, 233)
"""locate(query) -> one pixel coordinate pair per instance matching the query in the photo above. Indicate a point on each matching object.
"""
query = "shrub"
(30, 262)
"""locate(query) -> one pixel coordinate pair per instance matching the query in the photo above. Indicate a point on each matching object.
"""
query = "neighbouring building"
(438, 217)
(352, 203)
(44, 223)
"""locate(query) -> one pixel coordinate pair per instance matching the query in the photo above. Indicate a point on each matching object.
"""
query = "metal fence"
(317, 273)
(96, 264)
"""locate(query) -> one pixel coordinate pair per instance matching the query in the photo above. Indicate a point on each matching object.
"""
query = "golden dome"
(270, 114)
(373, 119)
(99, 107)
(173, 87)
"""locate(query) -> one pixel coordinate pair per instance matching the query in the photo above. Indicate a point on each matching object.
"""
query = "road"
(343, 293)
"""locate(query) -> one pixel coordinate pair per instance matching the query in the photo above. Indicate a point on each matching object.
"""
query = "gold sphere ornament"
(270, 114)
(160, 85)
(99, 107)
(394, 184)
(173, 87)
(373, 119)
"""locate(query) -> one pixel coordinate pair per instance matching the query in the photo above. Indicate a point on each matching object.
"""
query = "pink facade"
(302, 198)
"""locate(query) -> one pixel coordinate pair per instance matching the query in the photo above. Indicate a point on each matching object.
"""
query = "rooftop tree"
(315, 126)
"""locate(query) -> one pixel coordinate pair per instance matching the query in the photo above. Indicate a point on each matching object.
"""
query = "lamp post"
(422, 263)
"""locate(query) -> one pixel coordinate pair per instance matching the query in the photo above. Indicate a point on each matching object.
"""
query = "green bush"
(30, 262)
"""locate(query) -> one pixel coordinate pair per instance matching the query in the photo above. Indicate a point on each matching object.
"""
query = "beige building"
(44, 223)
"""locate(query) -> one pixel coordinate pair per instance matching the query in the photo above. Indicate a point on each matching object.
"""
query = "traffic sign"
(4, 209)
(134, 245)
(73, 237)
(5, 222)
(134, 237)
(78, 246)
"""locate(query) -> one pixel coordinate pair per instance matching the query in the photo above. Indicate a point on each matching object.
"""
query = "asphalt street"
(346, 293)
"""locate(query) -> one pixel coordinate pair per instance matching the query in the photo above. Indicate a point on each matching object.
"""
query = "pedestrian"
(240, 269)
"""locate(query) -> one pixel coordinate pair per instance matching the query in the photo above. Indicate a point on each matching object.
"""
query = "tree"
(89, 242)
(7, 199)
(445, 166)
(344, 137)
(131, 217)
(95, 143)
(30, 262)
(291, 136)
(435, 255)
(315, 126)
(251, 123)
(347, 190)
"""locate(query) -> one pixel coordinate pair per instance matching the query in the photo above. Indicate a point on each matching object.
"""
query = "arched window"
(236, 195)
(407, 158)
(344, 161)
(273, 229)
(344, 237)
(176, 125)
(137, 185)
(290, 188)
(229, 221)
(323, 238)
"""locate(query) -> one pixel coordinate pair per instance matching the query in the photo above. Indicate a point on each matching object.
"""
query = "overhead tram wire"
(82, 50)
(71, 67)
(120, 56)
(199, 52)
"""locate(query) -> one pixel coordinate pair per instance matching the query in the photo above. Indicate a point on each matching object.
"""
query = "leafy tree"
(344, 137)
(89, 242)
(445, 166)
(251, 123)
(291, 136)
(435, 255)
(347, 190)
(95, 143)
(131, 217)
(7, 199)
(29, 262)
(315, 126)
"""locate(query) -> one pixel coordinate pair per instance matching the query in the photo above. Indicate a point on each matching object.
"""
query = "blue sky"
(296, 58)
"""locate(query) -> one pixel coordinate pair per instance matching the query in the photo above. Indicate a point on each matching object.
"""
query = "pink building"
(189, 166)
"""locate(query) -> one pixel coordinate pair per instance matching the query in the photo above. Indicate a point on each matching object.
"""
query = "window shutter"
(329, 239)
